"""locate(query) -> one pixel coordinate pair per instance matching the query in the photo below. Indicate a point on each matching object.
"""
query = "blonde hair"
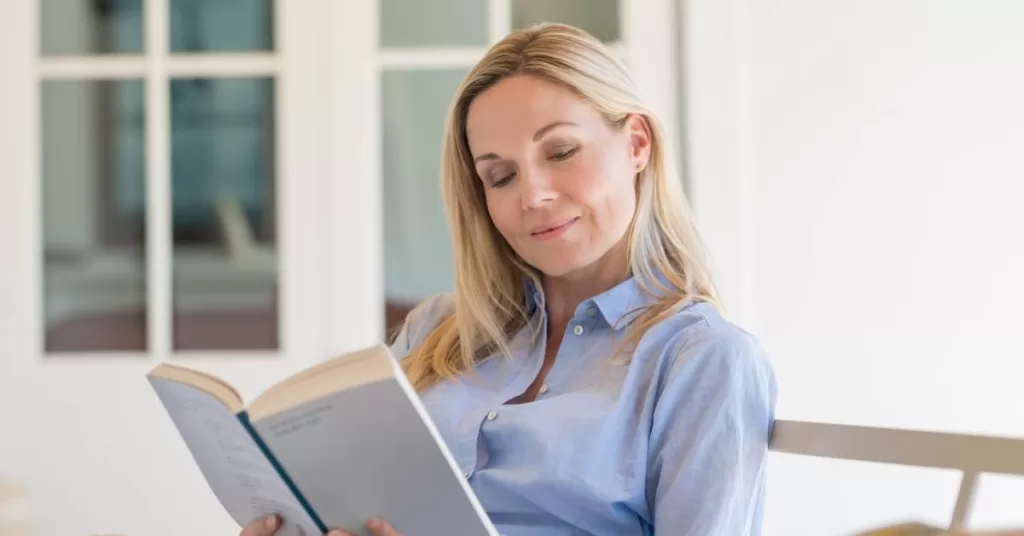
(665, 254)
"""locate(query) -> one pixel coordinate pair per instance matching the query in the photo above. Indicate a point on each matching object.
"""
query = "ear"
(638, 131)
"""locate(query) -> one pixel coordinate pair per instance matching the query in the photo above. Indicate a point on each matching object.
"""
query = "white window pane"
(599, 17)
(223, 214)
(221, 25)
(417, 248)
(410, 23)
(93, 202)
(77, 27)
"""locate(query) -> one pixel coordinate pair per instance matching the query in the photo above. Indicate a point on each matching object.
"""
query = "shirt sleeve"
(419, 322)
(709, 438)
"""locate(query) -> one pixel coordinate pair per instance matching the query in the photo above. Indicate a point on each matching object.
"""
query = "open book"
(329, 447)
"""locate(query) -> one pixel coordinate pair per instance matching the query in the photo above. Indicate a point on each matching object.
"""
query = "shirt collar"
(621, 304)
(534, 296)
(618, 306)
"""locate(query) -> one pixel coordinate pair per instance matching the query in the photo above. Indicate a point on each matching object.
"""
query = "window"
(190, 109)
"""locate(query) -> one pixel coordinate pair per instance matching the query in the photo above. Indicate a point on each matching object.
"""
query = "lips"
(553, 227)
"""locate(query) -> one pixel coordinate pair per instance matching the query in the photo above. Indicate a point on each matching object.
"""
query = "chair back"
(972, 455)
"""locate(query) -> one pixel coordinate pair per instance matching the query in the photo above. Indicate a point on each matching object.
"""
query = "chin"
(559, 265)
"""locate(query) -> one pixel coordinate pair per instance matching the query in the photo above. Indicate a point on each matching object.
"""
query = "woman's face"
(559, 181)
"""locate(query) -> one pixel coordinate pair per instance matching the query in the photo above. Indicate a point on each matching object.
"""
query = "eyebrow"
(536, 136)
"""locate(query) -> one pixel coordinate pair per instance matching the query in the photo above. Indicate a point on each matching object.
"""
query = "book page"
(241, 477)
(367, 451)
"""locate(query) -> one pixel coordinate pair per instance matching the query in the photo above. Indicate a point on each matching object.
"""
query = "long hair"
(664, 251)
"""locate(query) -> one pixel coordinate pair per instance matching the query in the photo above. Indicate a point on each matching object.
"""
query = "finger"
(266, 526)
(379, 528)
(339, 532)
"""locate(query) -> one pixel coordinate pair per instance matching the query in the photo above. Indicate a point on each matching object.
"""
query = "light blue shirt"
(674, 443)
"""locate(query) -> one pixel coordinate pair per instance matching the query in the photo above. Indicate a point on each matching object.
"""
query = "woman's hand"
(268, 527)
(377, 527)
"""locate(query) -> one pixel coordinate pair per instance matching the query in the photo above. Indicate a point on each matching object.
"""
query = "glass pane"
(223, 214)
(69, 27)
(93, 210)
(410, 23)
(221, 25)
(599, 17)
(417, 248)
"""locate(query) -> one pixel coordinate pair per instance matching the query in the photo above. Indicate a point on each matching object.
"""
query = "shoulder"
(700, 353)
(704, 333)
(420, 321)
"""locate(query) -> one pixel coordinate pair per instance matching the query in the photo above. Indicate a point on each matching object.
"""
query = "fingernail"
(271, 522)
(375, 523)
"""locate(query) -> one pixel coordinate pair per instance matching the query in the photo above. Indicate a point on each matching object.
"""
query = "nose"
(536, 188)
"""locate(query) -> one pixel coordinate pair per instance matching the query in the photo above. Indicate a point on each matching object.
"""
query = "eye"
(563, 153)
(502, 181)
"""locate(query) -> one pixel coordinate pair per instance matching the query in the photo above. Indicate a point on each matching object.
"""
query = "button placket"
(586, 320)
(472, 461)
(575, 345)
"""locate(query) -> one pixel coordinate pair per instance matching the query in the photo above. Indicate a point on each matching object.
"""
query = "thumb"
(266, 526)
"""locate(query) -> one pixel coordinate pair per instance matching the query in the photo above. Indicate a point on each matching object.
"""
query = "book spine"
(244, 417)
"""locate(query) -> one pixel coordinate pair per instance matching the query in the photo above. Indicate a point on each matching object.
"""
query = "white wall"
(858, 168)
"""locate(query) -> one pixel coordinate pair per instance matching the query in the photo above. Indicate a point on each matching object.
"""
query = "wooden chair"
(15, 511)
(970, 454)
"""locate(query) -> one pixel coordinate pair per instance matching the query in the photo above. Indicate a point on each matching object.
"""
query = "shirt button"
(591, 311)
(492, 415)
(543, 388)
(578, 330)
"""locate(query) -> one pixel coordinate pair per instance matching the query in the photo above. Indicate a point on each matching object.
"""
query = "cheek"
(503, 213)
(614, 211)
(607, 188)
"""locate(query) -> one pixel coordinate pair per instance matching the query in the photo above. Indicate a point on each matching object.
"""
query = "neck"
(563, 294)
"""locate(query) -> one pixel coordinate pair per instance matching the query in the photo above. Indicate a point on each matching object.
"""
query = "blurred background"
(250, 186)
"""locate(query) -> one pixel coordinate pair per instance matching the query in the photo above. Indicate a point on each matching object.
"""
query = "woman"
(581, 374)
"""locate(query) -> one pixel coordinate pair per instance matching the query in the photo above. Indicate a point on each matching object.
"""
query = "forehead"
(517, 106)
